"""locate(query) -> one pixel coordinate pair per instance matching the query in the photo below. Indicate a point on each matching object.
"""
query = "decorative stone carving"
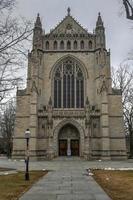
(95, 127)
(47, 123)
(73, 123)
(34, 88)
(68, 113)
(103, 87)
(42, 126)
(69, 132)
(102, 57)
(88, 110)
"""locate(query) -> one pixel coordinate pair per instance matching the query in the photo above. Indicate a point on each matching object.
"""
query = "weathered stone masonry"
(69, 104)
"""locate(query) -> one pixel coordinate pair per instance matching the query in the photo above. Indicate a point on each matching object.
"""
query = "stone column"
(33, 124)
(105, 140)
(50, 148)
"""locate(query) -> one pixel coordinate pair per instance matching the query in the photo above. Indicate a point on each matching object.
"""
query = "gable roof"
(68, 25)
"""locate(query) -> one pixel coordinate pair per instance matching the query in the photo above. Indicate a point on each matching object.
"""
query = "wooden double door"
(74, 147)
(62, 147)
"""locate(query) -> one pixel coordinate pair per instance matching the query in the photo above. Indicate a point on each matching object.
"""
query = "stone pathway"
(65, 163)
(67, 180)
(66, 184)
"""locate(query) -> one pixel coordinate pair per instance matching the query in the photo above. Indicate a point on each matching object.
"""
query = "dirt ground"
(117, 184)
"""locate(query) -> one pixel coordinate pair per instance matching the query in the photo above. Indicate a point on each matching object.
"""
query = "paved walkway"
(58, 163)
(66, 184)
(67, 180)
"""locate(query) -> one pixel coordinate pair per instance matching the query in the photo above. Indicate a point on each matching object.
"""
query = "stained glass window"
(68, 85)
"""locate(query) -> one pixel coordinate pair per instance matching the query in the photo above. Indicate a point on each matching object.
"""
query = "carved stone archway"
(60, 126)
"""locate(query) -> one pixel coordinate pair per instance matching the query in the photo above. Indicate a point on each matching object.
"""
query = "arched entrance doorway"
(69, 141)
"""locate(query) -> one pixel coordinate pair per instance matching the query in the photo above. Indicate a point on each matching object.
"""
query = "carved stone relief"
(69, 132)
(103, 86)
(95, 127)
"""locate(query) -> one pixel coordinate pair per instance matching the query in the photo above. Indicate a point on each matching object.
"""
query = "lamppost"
(27, 137)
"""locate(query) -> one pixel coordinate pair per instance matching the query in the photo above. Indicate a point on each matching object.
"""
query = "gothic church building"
(69, 104)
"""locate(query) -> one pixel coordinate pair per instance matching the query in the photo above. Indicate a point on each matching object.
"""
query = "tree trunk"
(131, 142)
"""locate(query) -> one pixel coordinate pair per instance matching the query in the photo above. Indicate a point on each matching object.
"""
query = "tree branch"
(129, 9)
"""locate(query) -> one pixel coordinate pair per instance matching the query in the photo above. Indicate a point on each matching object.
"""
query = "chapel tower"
(69, 104)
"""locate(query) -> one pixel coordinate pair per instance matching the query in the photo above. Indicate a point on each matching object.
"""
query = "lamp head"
(27, 134)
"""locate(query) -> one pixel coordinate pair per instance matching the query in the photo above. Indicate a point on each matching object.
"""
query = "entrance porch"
(69, 141)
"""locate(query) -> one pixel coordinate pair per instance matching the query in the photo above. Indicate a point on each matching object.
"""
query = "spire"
(37, 33)
(100, 33)
(99, 20)
(69, 11)
(38, 23)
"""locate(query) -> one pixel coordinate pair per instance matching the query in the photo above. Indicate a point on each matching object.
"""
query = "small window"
(55, 45)
(62, 45)
(68, 45)
(90, 44)
(47, 45)
(82, 44)
(75, 45)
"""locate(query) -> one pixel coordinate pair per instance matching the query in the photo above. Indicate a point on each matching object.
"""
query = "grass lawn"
(13, 186)
(117, 184)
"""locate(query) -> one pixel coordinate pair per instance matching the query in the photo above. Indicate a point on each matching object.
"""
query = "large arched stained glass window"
(68, 85)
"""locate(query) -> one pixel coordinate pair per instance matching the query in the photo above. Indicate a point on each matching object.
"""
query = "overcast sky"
(119, 30)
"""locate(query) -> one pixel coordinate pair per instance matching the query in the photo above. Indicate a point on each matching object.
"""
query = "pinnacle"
(99, 20)
(38, 23)
(69, 11)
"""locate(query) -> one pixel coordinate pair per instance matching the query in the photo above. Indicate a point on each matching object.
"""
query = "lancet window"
(75, 45)
(68, 45)
(90, 44)
(82, 44)
(47, 45)
(68, 85)
(62, 45)
(55, 45)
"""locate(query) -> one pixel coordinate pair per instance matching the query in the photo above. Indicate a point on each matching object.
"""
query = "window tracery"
(68, 85)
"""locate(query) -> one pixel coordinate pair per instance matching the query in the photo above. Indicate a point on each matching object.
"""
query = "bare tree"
(14, 32)
(128, 4)
(123, 80)
(7, 122)
(8, 4)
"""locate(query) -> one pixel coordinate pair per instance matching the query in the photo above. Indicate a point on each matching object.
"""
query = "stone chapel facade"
(69, 104)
